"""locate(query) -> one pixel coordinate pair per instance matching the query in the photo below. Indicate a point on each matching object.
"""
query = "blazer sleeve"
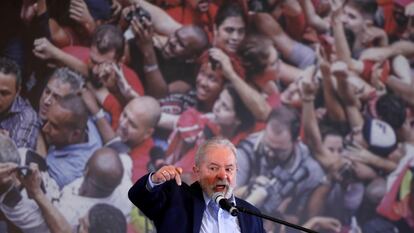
(150, 202)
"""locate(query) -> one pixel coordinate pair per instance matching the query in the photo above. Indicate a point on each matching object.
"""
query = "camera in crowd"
(140, 13)
(347, 173)
(24, 170)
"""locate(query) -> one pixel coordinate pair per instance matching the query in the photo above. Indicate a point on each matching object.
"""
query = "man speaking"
(177, 207)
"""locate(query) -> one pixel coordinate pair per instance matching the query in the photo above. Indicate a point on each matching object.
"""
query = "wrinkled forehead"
(96, 57)
(219, 154)
(275, 128)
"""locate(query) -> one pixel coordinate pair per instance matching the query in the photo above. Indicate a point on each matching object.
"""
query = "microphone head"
(224, 203)
(216, 197)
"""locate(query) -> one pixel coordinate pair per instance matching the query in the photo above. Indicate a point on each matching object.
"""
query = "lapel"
(198, 206)
(243, 220)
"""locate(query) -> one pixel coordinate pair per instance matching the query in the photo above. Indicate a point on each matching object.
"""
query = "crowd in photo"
(316, 95)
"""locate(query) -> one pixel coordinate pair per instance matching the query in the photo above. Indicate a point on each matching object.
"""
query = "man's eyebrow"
(213, 164)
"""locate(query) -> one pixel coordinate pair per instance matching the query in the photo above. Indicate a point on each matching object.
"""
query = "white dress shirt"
(217, 220)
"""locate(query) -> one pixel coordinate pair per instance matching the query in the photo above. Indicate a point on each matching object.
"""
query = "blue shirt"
(68, 163)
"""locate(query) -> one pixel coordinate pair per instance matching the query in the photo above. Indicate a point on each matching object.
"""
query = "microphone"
(225, 203)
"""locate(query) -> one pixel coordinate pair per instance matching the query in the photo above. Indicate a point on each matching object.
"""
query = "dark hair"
(242, 112)
(286, 116)
(108, 37)
(254, 51)
(329, 131)
(59, 11)
(391, 109)
(229, 9)
(367, 8)
(106, 218)
(8, 66)
(77, 107)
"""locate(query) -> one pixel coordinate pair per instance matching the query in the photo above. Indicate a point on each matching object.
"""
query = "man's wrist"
(38, 195)
(151, 184)
(99, 115)
(308, 99)
(150, 68)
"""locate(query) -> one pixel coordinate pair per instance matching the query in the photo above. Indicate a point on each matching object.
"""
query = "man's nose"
(48, 99)
(203, 81)
(45, 127)
(234, 35)
(222, 174)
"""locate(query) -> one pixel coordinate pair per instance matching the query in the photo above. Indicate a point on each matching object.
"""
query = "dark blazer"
(176, 208)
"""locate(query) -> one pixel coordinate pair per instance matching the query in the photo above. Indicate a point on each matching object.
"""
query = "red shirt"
(295, 26)
(140, 157)
(391, 27)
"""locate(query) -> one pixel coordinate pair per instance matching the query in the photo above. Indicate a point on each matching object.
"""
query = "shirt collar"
(17, 105)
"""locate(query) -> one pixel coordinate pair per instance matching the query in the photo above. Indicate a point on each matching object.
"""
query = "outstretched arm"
(168, 121)
(334, 108)
(310, 123)
(54, 218)
(163, 23)
(313, 19)
(342, 47)
(151, 192)
(46, 51)
(155, 83)
(356, 121)
(105, 129)
(254, 101)
(402, 47)
(266, 25)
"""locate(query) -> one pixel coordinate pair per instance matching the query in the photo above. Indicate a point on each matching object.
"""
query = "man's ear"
(75, 135)
(196, 170)
(148, 133)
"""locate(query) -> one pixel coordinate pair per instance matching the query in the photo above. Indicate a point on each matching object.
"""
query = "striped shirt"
(21, 122)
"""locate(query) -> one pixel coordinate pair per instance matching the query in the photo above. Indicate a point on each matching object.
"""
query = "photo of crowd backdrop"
(317, 97)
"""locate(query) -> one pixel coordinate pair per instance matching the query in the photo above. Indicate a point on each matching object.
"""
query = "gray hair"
(66, 75)
(8, 151)
(213, 142)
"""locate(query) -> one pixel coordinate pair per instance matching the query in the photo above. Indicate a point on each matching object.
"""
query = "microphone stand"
(260, 215)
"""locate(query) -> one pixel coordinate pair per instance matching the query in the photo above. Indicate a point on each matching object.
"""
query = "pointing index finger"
(178, 173)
